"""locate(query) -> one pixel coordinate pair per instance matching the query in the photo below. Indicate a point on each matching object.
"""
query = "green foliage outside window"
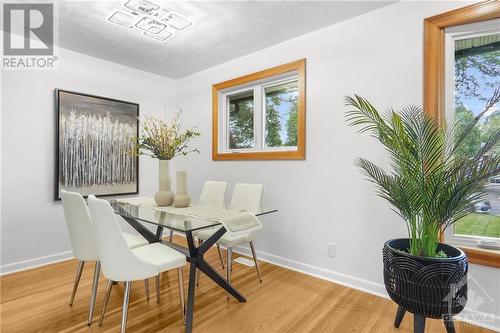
(291, 124)
(281, 117)
(280, 104)
(241, 122)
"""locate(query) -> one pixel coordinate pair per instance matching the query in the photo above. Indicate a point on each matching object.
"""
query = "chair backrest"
(117, 260)
(80, 228)
(212, 194)
(247, 197)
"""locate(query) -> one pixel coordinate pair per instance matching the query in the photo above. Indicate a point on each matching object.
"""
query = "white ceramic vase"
(182, 199)
(165, 196)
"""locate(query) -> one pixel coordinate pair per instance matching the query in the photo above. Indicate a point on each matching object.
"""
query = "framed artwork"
(93, 145)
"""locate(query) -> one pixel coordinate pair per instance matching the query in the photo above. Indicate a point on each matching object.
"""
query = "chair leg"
(78, 275)
(418, 324)
(399, 316)
(220, 255)
(449, 325)
(181, 293)
(93, 295)
(157, 279)
(171, 236)
(146, 288)
(198, 271)
(255, 261)
(229, 266)
(126, 298)
(106, 299)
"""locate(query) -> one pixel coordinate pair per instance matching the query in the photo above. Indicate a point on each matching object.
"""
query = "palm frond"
(428, 186)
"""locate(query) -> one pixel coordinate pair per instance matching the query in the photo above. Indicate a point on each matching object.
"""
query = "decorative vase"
(165, 196)
(182, 199)
(426, 287)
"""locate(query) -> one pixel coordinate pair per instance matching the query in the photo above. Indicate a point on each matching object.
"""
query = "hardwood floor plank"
(286, 301)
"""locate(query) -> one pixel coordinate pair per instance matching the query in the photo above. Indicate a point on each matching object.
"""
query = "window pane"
(241, 133)
(477, 74)
(281, 115)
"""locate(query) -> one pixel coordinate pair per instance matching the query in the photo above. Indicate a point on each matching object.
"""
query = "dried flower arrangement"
(162, 139)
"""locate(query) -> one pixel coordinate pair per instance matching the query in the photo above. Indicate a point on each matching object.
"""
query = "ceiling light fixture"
(154, 21)
(178, 22)
(120, 18)
(163, 36)
(144, 6)
(150, 25)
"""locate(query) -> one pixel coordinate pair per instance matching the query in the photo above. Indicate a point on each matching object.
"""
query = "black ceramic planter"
(427, 287)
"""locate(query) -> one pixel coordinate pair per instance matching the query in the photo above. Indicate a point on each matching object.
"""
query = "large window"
(261, 115)
(473, 66)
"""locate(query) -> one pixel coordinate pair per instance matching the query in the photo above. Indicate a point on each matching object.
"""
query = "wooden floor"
(286, 301)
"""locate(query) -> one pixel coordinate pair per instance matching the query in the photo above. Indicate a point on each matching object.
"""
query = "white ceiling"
(222, 30)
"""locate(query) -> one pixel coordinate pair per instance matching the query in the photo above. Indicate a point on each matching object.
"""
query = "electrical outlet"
(330, 250)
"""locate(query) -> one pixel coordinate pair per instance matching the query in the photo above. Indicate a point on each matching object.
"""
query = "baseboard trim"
(474, 317)
(34, 263)
(321, 273)
(481, 319)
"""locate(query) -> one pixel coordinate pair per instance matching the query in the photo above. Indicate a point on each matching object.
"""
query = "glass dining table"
(142, 216)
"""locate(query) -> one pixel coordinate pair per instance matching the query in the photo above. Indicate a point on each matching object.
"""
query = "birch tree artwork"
(95, 145)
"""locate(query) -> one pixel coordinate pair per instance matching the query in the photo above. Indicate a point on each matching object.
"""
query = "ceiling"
(221, 31)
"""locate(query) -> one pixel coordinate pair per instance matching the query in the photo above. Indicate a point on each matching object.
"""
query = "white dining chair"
(246, 198)
(83, 242)
(212, 195)
(120, 263)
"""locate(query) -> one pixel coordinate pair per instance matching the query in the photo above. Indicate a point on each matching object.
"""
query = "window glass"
(281, 115)
(477, 74)
(241, 127)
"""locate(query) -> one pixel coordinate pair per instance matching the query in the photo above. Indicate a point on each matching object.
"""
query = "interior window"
(260, 115)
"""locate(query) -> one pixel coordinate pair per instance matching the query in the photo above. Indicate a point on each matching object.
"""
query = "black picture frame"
(57, 108)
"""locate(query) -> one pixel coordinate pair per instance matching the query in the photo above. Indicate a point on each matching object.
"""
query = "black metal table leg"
(159, 232)
(196, 261)
(190, 300)
(145, 232)
(217, 278)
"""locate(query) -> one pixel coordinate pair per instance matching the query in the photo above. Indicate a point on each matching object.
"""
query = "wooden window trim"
(300, 67)
(434, 79)
(483, 257)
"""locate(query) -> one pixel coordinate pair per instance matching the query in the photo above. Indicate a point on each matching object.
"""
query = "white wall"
(324, 198)
(32, 223)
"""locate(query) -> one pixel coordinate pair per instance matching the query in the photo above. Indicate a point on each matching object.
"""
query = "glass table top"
(177, 219)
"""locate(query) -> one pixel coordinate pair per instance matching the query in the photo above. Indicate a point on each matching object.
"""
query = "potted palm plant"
(431, 188)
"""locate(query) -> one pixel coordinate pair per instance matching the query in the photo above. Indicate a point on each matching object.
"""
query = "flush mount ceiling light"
(150, 25)
(151, 19)
(178, 22)
(120, 18)
(164, 35)
(144, 6)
